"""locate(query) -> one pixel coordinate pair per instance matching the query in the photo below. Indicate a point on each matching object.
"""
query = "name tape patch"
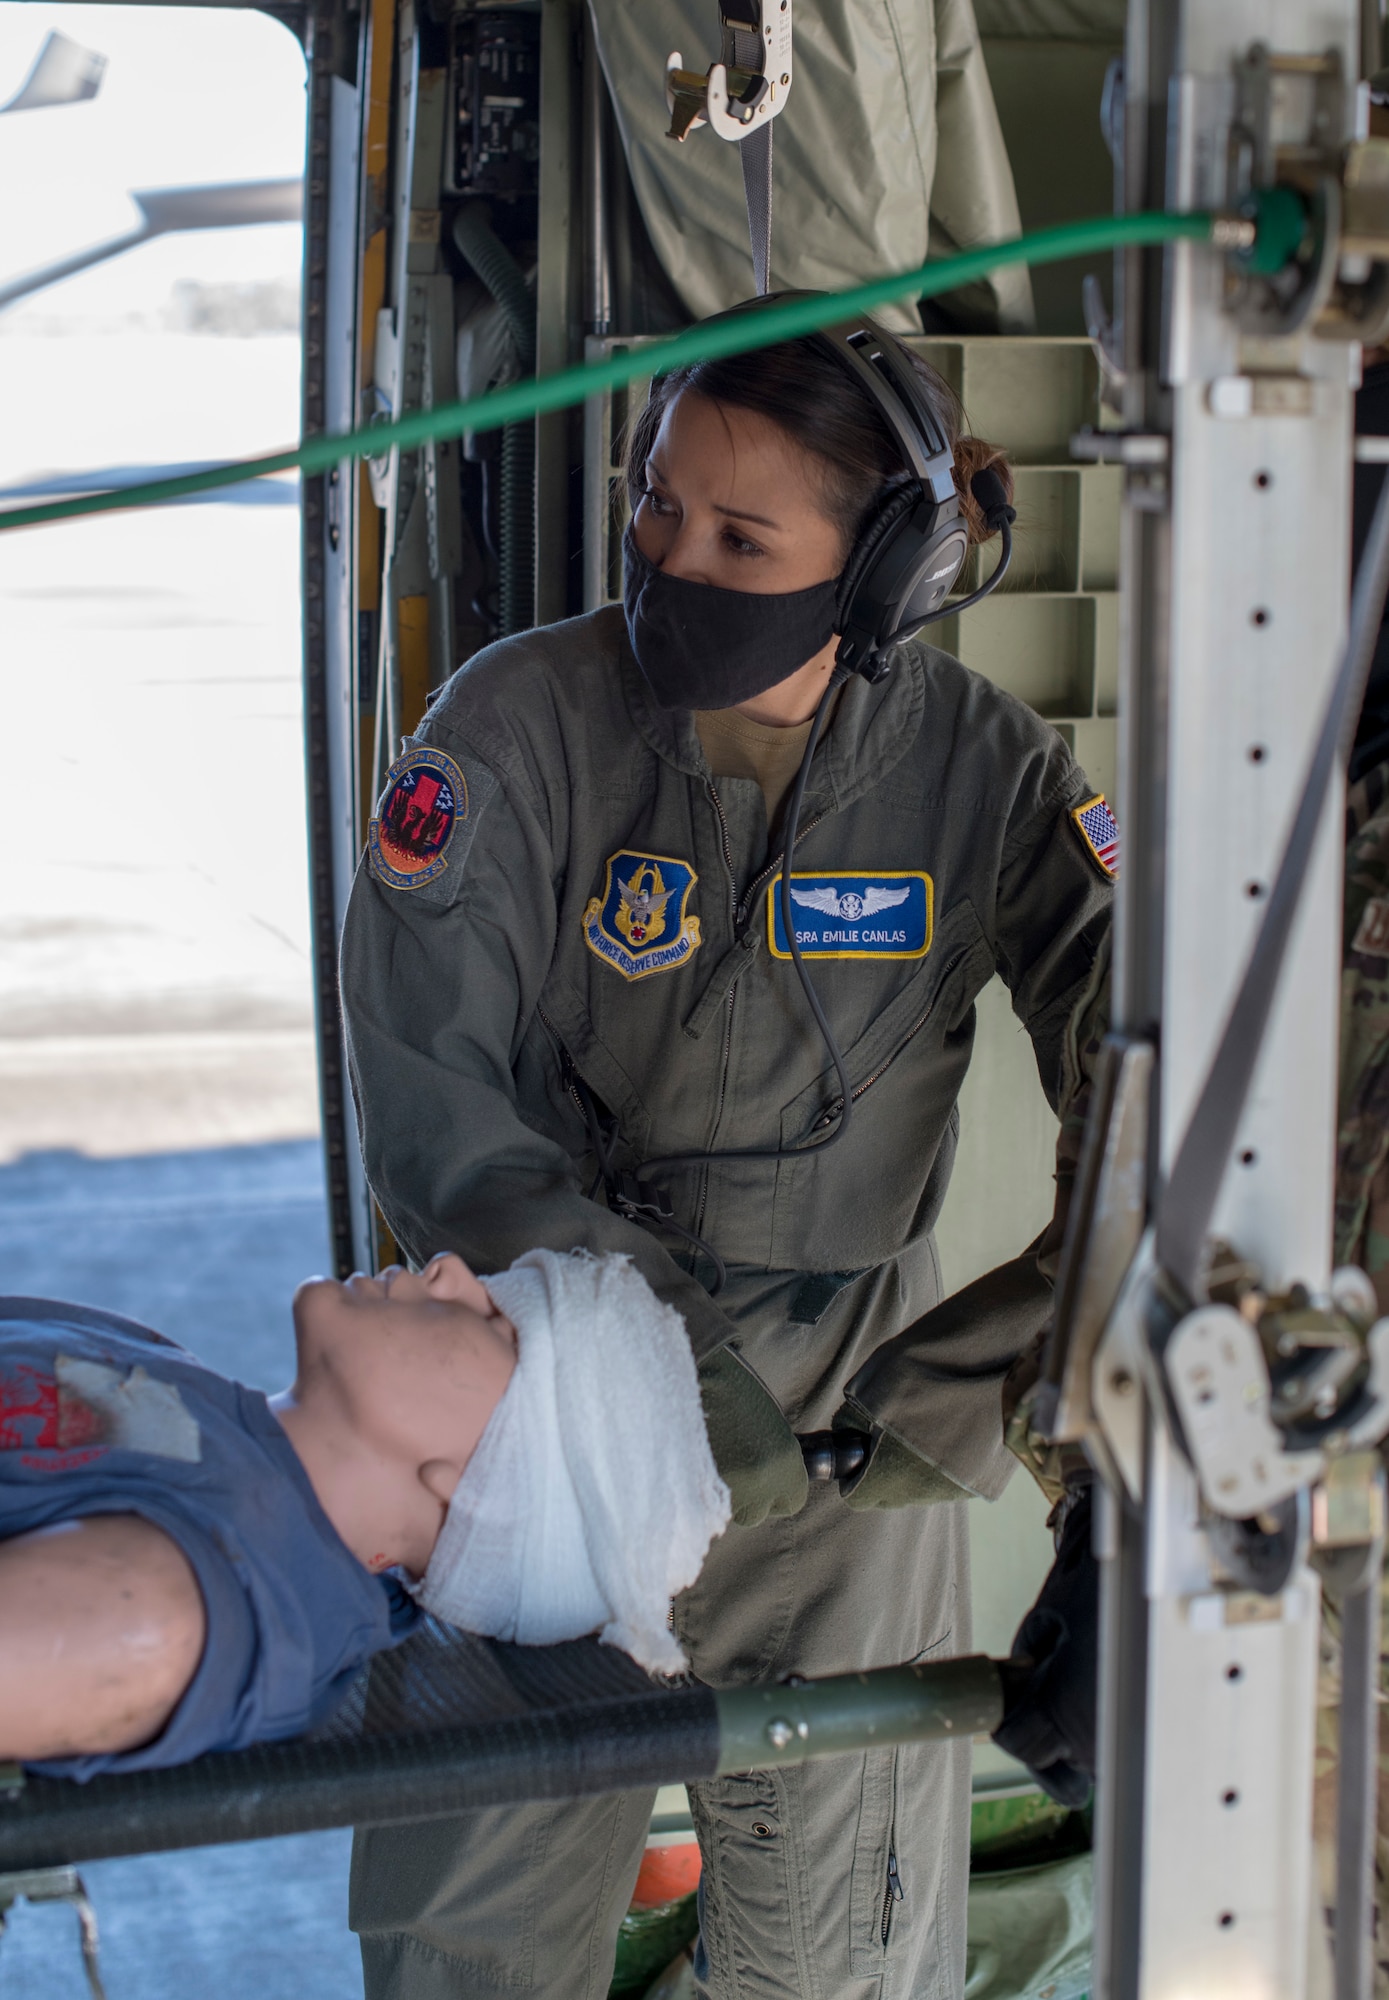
(1099, 833)
(887, 914)
(426, 796)
(639, 925)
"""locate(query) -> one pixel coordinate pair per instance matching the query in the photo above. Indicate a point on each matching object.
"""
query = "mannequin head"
(397, 1377)
(105, 1621)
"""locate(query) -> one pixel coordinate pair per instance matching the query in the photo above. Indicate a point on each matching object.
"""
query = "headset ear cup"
(937, 564)
(894, 509)
(905, 564)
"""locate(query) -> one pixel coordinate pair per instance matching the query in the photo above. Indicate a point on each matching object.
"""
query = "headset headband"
(883, 367)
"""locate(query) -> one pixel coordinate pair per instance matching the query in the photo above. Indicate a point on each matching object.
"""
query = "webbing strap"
(756, 154)
(1193, 1187)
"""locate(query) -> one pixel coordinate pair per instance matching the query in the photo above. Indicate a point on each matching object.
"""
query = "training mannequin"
(187, 1565)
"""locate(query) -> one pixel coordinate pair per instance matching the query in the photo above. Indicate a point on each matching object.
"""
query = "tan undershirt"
(736, 747)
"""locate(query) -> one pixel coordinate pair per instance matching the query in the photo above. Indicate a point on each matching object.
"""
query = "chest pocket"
(957, 965)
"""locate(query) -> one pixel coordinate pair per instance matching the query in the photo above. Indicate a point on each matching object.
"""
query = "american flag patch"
(1099, 829)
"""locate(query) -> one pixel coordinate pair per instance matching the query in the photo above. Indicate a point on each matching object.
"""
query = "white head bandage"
(592, 1496)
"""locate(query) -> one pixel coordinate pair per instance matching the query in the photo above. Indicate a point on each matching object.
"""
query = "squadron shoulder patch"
(639, 923)
(887, 914)
(1099, 834)
(426, 796)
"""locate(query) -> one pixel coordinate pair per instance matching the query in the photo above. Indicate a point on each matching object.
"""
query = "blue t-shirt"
(101, 1416)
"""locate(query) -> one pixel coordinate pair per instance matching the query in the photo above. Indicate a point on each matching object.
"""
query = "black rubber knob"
(834, 1454)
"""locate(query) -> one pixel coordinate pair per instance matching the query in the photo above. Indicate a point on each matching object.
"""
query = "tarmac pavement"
(207, 1245)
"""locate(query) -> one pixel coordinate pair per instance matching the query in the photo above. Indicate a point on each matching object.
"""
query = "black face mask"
(702, 647)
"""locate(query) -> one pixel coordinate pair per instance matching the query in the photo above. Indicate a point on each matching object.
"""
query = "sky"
(190, 95)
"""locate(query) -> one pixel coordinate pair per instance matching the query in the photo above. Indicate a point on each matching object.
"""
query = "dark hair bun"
(973, 455)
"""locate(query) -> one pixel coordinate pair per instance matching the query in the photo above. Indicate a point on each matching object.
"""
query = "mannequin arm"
(102, 1632)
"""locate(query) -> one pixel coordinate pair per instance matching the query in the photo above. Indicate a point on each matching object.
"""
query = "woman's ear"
(440, 1476)
(448, 1277)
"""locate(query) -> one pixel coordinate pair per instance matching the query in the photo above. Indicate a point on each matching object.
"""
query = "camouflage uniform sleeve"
(1361, 1237)
(1362, 1139)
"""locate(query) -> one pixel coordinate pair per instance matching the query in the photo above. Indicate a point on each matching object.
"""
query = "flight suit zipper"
(734, 905)
(718, 1109)
(771, 868)
(569, 1082)
(567, 1071)
(774, 868)
(832, 1111)
(727, 845)
(895, 1893)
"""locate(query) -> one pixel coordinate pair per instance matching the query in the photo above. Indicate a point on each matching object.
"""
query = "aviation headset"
(900, 571)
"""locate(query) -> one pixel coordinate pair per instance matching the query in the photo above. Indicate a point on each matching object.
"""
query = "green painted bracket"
(939, 1701)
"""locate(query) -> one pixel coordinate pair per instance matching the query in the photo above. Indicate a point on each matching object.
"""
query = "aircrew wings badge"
(426, 796)
(639, 923)
(1099, 833)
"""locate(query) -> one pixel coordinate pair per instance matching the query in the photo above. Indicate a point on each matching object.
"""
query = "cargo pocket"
(753, 1925)
(876, 1893)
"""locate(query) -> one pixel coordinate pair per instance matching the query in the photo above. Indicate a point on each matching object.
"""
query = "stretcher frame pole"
(762, 1727)
(582, 1749)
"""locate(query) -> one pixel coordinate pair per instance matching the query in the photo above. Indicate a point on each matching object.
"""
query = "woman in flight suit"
(565, 960)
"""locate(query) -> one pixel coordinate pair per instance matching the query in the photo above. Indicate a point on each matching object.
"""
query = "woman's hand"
(757, 1452)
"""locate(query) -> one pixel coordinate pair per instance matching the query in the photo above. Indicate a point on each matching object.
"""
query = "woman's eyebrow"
(654, 471)
(742, 514)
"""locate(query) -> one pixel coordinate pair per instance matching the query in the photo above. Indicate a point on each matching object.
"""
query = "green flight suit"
(472, 1000)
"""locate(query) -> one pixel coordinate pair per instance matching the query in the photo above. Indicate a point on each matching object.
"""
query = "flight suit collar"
(874, 728)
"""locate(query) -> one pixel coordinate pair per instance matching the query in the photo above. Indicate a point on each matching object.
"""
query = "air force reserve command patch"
(885, 914)
(638, 924)
(1099, 833)
(425, 798)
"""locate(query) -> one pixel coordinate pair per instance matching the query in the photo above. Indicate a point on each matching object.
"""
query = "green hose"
(702, 342)
(499, 271)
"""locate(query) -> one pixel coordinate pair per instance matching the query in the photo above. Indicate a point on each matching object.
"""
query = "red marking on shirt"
(28, 1409)
(78, 1423)
(60, 1461)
